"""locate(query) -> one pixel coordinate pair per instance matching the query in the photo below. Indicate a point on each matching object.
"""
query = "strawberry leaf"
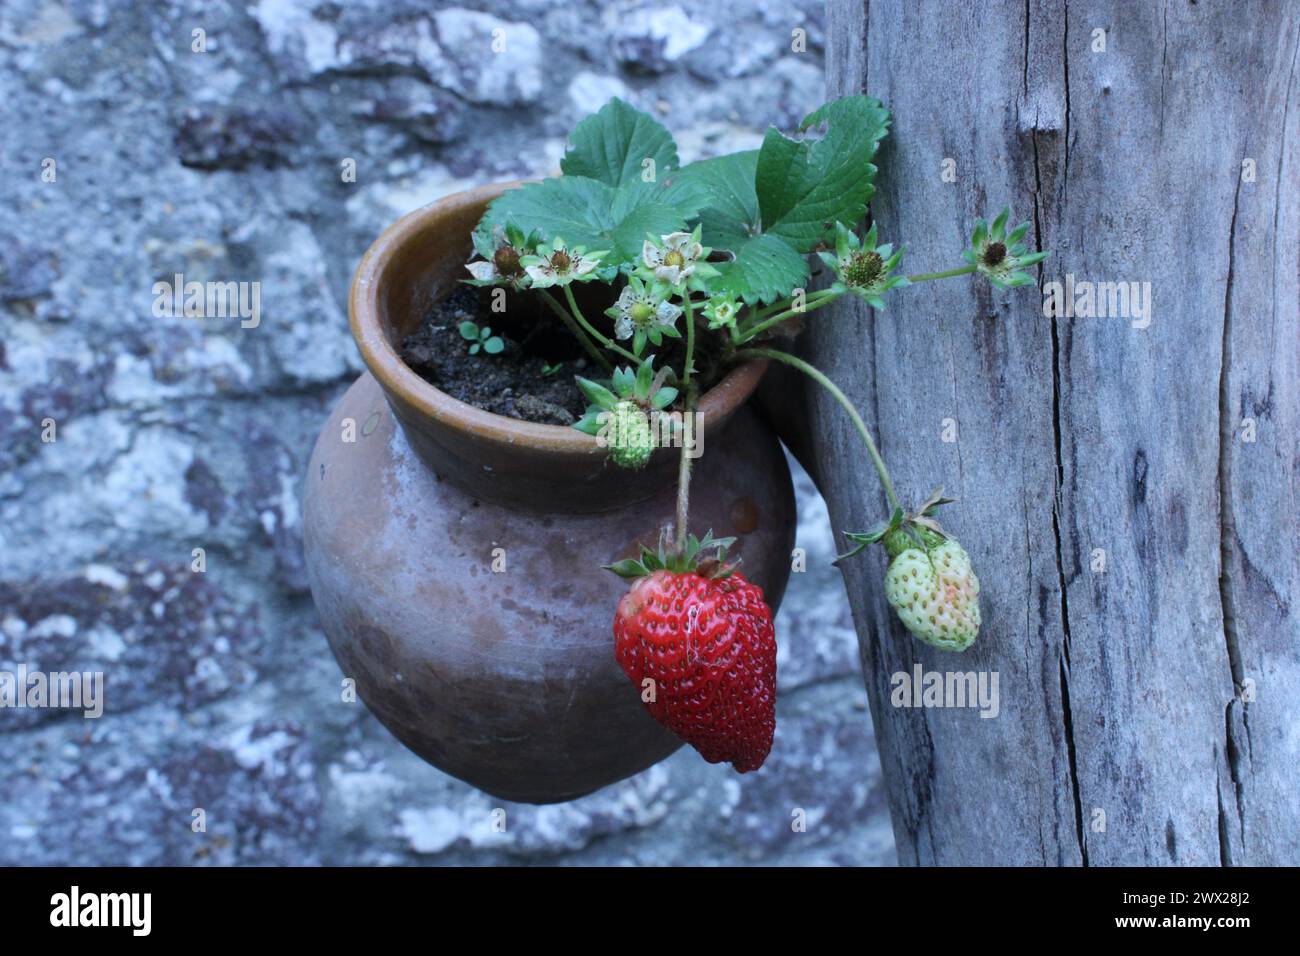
(613, 145)
(585, 213)
(766, 268)
(805, 186)
(772, 206)
(619, 184)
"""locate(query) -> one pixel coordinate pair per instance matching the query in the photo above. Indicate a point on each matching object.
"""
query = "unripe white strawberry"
(629, 436)
(933, 589)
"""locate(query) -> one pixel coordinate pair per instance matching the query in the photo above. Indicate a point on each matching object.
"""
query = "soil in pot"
(532, 377)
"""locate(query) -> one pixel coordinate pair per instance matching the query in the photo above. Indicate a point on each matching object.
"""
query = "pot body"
(455, 555)
(506, 678)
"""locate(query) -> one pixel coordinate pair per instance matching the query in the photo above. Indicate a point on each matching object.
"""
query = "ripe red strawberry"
(708, 646)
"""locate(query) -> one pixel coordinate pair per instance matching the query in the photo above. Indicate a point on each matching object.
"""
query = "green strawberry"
(933, 589)
(628, 436)
(621, 409)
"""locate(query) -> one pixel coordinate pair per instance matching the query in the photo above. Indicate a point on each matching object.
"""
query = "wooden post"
(1130, 492)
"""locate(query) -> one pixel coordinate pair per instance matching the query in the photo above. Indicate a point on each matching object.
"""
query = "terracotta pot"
(505, 679)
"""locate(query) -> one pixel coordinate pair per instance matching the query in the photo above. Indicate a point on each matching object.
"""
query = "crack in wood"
(1227, 533)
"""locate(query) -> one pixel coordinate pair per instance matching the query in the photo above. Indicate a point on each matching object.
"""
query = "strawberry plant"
(705, 266)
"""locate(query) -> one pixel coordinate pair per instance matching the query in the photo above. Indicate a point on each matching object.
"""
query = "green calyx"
(919, 529)
(1000, 256)
(622, 410)
(862, 267)
(901, 539)
(705, 556)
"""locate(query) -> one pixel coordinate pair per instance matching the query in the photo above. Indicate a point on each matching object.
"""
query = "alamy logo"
(946, 689)
(1098, 300)
(75, 690)
(102, 909)
(209, 300)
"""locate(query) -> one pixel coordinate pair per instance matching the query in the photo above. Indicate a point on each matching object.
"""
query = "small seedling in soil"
(481, 339)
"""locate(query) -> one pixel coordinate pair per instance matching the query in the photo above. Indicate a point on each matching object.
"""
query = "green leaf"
(770, 207)
(493, 345)
(469, 331)
(805, 186)
(729, 215)
(603, 201)
(612, 145)
(765, 269)
(586, 212)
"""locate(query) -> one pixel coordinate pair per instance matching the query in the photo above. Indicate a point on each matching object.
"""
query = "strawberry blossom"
(557, 265)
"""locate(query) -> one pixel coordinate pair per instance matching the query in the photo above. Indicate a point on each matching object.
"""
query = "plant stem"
(572, 326)
(778, 306)
(815, 301)
(684, 463)
(684, 473)
(927, 276)
(820, 378)
(608, 343)
(688, 365)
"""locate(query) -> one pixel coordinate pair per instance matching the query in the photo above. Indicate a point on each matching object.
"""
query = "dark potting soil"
(514, 382)
(511, 382)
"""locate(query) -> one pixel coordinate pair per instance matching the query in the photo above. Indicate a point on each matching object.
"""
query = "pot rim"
(399, 379)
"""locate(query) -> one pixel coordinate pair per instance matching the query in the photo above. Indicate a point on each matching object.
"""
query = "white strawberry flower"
(557, 265)
(483, 270)
(676, 259)
(501, 254)
(639, 312)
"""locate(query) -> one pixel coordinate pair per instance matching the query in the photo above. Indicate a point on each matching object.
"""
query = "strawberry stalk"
(587, 327)
(572, 326)
(927, 276)
(684, 465)
(814, 301)
(821, 379)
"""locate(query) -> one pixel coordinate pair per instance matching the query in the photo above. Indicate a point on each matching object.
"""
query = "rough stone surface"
(174, 434)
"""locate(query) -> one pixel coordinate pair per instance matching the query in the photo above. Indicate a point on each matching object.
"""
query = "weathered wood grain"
(1121, 690)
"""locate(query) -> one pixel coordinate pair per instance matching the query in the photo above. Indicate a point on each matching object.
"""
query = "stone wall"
(177, 434)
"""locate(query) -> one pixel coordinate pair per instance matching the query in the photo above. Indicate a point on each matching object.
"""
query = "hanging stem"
(572, 326)
(927, 276)
(814, 301)
(821, 379)
(608, 343)
(684, 463)
(689, 367)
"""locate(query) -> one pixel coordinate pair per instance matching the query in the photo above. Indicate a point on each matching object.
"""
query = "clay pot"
(506, 678)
